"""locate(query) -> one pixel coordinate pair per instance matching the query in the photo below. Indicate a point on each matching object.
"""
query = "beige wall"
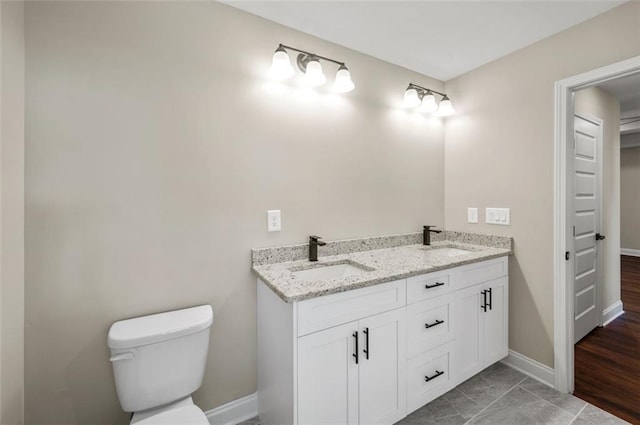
(12, 212)
(155, 145)
(630, 198)
(499, 153)
(597, 103)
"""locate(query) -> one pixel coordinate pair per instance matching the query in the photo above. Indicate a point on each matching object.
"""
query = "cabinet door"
(467, 352)
(382, 368)
(496, 319)
(328, 377)
(428, 376)
(429, 323)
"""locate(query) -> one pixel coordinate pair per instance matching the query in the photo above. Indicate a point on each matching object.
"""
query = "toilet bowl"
(158, 362)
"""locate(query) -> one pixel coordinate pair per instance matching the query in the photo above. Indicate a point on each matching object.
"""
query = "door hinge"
(574, 231)
(567, 255)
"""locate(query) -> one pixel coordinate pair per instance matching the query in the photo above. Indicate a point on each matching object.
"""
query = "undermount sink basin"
(449, 252)
(330, 271)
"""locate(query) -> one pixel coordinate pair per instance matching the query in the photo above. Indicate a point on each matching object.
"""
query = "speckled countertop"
(382, 264)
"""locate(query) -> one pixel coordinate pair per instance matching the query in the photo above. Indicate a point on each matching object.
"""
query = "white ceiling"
(440, 39)
(626, 90)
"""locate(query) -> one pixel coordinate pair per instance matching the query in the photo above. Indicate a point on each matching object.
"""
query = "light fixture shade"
(411, 98)
(281, 68)
(428, 104)
(343, 81)
(313, 74)
(445, 108)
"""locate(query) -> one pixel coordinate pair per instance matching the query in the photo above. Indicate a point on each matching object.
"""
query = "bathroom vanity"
(377, 333)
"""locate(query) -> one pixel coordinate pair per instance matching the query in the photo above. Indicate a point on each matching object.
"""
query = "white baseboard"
(612, 312)
(235, 411)
(530, 367)
(632, 252)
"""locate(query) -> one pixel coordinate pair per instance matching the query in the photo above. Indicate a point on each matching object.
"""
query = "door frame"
(563, 222)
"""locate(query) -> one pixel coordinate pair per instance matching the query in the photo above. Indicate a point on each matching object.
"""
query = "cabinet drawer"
(472, 274)
(332, 310)
(429, 324)
(428, 376)
(428, 286)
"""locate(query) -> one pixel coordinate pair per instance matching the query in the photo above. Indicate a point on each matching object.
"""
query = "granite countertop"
(383, 264)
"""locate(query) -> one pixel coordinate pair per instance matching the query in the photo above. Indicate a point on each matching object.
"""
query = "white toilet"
(158, 362)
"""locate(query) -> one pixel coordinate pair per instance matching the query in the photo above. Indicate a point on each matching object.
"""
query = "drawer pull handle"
(435, 285)
(429, 378)
(490, 298)
(436, 323)
(366, 343)
(355, 335)
(484, 300)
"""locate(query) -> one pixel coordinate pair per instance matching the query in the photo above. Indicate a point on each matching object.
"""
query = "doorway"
(607, 370)
(564, 216)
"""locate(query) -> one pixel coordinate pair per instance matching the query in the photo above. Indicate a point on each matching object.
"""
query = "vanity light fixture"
(313, 72)
(423, 97)
(411, 98)
(309, 64)
(281, 68)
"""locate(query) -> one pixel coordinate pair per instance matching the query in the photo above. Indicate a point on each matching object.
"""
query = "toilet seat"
(186, 415)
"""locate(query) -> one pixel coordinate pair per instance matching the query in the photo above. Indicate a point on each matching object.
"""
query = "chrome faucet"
(314, 242)
(426, 234)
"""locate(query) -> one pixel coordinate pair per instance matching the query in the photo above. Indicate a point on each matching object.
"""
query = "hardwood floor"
(607, 361)
(631, 283)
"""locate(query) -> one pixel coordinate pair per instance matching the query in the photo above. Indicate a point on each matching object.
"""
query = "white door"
(495, 341)
(328, 377)
(382, 368)
(467, 356)
(587, 186)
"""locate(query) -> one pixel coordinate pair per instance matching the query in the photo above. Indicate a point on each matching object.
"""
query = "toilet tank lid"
(159, 327)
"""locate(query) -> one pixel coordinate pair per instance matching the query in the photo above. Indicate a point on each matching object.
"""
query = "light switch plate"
(501, 216)
(274, 222)
(472, 215)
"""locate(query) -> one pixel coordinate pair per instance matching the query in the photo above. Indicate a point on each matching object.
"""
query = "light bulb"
(313, 74)
(343, 81)
(411, 98)
(281, 68)
(445, 108)
(428, 104)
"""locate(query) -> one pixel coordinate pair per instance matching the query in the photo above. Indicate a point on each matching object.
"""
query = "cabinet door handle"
(435, 285)
(490, 298)
(366, 343)
(355, 335)
(484, 300)
(434, 376)
(436, 323)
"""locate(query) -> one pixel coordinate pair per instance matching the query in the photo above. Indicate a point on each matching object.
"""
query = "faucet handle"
(315, 238)
(428, 229)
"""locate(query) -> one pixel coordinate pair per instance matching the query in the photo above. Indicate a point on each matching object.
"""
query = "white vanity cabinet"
(336, 359)
(353, 373)
(481, 311)
(373, 355)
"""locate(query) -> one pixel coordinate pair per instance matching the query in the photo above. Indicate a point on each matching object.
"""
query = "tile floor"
(501, 395)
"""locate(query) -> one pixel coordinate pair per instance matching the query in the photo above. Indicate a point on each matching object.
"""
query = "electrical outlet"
(501, 216)
(472, 215)
(274, 222)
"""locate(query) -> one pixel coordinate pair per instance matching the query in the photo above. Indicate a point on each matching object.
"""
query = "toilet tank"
(161, 358)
